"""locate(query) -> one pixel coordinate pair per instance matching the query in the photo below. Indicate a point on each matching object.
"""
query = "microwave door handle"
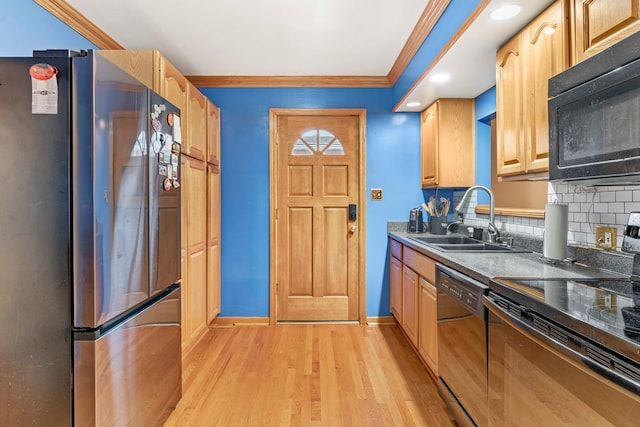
(561, 350)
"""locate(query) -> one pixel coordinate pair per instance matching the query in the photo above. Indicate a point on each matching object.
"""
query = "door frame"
(274, 113)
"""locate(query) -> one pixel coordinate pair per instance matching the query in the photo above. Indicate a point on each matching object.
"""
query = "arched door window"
(317, 141)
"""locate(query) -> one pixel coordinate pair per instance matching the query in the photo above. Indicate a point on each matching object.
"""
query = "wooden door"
(546, 57)
(317, 245)
(429, 146)
(509, 77)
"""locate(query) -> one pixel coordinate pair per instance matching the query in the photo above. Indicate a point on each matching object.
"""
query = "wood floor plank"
(307, 375)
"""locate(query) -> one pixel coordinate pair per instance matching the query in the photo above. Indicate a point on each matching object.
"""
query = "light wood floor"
(307, 375)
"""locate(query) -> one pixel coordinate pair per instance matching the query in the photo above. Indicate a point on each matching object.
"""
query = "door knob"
(353, 229)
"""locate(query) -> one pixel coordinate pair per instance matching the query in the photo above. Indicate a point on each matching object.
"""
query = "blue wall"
(485, 111)
(27, 27)
(392, 163)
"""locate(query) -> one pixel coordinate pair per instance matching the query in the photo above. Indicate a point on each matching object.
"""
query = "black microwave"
(594, 118)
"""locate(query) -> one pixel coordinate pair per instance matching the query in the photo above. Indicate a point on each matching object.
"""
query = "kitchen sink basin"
(463, 244)
(445, 240)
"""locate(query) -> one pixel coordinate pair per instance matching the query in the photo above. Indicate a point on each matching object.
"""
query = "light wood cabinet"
(142, 64)
(597, 24)
(213, 134)
(173, 87)
(448, 144)
(395, 285)
(194, 289)
(410, 304)
(428, 328)
(196, 144)
(213, 242)
(523, 67)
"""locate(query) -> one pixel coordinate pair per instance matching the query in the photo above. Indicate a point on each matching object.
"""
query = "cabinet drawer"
(421, 264)
(396, 249)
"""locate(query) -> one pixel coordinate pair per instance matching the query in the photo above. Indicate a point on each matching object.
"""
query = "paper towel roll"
(556, 227)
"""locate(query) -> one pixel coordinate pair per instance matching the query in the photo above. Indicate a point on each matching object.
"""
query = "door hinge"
(276, 214)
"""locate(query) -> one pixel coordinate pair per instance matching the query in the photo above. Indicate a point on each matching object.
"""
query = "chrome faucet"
(493, 234)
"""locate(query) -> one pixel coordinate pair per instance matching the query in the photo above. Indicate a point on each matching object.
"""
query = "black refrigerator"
(89, 245)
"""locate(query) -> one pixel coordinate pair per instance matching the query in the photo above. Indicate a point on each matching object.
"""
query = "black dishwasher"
(462, 346)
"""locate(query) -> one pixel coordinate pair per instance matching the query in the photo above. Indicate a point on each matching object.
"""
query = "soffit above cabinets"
(470, 61)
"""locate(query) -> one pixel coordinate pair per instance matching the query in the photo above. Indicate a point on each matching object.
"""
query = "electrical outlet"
(376, 194)
(606, 237)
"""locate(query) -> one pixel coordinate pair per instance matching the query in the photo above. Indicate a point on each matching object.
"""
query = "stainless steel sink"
(445, 240)
(464, 244)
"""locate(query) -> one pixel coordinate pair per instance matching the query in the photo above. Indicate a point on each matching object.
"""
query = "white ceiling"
(263, 37)
(305, 38)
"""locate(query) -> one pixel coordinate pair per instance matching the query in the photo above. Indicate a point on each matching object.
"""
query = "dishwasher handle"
(561, 340)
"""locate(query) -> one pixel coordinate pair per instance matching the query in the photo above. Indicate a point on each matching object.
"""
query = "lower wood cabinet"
(395, 285)
(428, 337)
(410, 304)
(413, 300)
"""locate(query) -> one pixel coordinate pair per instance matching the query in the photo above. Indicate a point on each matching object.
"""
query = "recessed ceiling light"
(505, 12)
(413, 104)
(440, 78)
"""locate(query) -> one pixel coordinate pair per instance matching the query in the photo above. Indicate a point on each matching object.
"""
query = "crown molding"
(74, 19)
(290, 81)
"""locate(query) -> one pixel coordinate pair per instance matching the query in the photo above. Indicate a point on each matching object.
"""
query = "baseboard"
(381, 320)
(227, 322)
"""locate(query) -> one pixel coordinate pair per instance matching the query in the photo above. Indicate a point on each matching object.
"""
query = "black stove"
(606, 311)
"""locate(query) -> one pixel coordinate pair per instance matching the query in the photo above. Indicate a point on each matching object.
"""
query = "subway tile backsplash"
(588, 207)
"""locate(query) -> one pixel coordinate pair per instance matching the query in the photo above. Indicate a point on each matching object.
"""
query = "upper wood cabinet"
(196, 144)
(523, 67)
(142, 64)
(448, 144)
(173, 86)
(213, 134)
(597, 24)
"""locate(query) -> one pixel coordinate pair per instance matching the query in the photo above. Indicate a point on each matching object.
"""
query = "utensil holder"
(438, 225)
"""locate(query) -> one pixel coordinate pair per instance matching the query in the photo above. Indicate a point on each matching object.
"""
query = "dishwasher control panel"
(462, 288)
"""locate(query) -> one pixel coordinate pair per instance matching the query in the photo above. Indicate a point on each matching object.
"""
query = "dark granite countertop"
(488, 265)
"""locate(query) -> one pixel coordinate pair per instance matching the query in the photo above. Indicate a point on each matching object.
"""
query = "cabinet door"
(410, 304)
(213, 243)
(213, 134)
(139, 63)
(173, 87)
(509, 148)
(428, 333)
(597, 24)
(546, 56)
(195, 145)
(194, 190)
(429, 145)
(395, 284)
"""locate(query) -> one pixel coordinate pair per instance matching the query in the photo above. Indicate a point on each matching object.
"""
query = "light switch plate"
(376, 194)
(606, 237)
